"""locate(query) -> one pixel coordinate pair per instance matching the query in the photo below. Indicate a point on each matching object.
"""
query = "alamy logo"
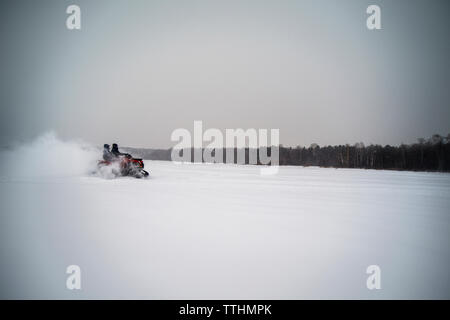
(238, 144)
(74, 279)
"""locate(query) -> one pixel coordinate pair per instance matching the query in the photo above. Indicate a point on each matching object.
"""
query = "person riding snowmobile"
(116, 153)
(123, 164)
(107, 156)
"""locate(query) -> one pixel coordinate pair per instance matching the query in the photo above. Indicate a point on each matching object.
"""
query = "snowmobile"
(126, 166)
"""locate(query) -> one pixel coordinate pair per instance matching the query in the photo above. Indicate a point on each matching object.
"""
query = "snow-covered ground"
(199, 231)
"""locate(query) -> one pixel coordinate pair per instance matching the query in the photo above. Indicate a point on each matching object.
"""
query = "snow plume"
(49, 156)
(108, 172)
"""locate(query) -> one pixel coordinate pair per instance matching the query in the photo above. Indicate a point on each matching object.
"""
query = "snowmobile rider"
(116, 153)
(107, 156)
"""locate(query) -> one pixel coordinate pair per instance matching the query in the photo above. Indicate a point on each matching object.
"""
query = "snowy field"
(199, 231)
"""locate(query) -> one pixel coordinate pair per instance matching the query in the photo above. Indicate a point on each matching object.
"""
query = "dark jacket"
(115, 152)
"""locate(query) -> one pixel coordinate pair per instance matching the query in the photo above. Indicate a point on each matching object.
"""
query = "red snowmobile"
(127, 166)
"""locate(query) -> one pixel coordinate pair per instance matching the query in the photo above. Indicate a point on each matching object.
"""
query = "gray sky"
(137, 70)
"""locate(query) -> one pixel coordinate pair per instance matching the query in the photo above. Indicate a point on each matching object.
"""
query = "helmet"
(115, 146)
(106, 146)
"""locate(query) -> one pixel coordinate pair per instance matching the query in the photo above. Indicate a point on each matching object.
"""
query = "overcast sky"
(137, 70)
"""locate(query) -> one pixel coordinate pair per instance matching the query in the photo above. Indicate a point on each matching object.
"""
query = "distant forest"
(431, 154)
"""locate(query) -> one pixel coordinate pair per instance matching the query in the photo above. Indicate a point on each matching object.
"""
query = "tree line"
(432, 154)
